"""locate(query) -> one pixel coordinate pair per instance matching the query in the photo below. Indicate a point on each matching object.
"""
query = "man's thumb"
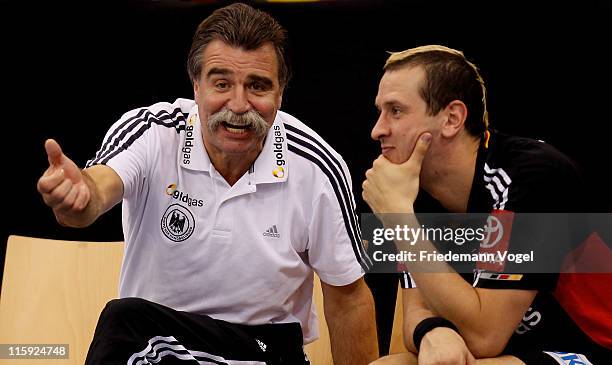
(54, 152)
(420, 149)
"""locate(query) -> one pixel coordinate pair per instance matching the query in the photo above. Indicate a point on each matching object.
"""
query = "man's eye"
(396, 111)
(258, 86)
(221, 85)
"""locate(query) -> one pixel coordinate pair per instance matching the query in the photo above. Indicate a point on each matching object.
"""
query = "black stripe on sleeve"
(332, 158)
(114, 143)
(341, 196)
(107, 140)
(338, 171)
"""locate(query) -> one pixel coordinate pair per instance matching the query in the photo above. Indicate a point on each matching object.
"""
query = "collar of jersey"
(271, 166)
(193, 157)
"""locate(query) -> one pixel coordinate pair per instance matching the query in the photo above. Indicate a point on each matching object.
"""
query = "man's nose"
(239, 101)
(380, 129)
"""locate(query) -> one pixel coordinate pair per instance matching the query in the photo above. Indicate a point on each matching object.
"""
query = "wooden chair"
(53, 292)
(397, 337)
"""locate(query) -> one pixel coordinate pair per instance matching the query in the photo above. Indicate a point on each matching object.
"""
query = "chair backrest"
(397, 337)
(53, 292)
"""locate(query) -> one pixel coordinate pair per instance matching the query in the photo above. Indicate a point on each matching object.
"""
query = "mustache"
(251, 119)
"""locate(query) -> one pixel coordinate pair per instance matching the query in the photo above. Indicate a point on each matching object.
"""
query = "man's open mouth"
(238, 129)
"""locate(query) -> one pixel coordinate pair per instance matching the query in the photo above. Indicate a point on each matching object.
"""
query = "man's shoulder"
(529, 158)
(162, 114)
(306, 144)
(535, 174)
(163, 121)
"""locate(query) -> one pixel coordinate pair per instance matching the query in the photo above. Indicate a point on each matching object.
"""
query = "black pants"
(134, 331)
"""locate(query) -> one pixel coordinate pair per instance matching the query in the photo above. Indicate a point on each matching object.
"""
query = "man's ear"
(455, 115)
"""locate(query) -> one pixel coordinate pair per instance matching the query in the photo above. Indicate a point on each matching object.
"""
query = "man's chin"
(393, 158)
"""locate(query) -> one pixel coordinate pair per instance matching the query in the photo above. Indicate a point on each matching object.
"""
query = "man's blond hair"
(448, 76)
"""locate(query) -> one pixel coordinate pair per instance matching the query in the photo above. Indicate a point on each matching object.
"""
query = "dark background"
(68, 71)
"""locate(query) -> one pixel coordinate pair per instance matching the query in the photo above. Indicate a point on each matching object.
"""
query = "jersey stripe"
(497, 192)
(406, 280)
(495, 179)
(116, 142)
(498, 183)
(338, 171)
(129, 123)
(293, 129)
(499, 171)
(341, 195)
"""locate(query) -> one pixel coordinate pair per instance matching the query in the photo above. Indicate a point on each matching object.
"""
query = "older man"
(229, 205)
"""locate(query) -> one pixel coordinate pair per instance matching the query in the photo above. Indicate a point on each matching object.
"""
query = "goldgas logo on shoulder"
(279, 170)
(188, 144)
(177, 223)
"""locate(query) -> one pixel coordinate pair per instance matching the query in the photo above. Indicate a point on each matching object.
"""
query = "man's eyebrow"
(217, 71)
(264, 80)
(394, 102)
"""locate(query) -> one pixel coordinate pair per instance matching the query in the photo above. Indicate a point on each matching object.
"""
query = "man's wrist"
(428, 324)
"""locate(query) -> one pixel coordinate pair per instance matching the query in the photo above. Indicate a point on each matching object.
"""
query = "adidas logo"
(272, 232)
(262, 345)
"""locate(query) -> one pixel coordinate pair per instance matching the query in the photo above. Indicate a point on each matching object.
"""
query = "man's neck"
(449, 180)
(231, 166)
